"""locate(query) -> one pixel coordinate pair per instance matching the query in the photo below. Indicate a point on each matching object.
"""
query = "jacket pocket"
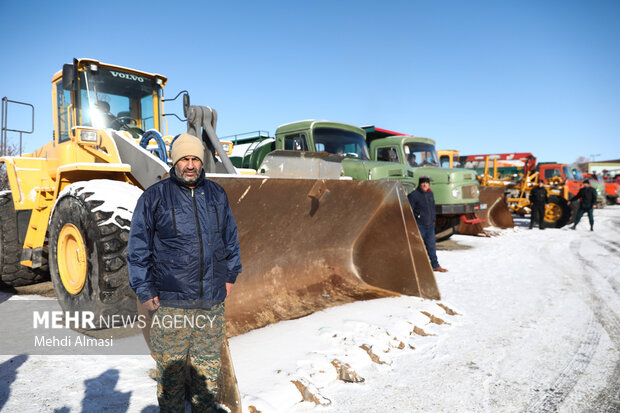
(214, 214)
(166, 223)
(173, 271)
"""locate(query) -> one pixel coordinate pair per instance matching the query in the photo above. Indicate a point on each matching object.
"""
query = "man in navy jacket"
(184, 257)
(423, 206)
(587, 194)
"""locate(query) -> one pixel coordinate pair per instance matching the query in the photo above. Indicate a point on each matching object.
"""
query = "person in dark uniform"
(588, 196)
(184, 257)
(538, 200)
(423, 205)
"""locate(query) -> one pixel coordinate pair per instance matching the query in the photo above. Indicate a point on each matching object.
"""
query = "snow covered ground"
(529, 321)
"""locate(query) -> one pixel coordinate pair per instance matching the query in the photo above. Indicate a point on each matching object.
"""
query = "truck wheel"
(557, 212)
(87, 258)
(12, 273)
(445, 227)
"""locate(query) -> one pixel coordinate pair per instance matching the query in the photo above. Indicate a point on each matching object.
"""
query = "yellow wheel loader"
(307, 242)
(492, 194)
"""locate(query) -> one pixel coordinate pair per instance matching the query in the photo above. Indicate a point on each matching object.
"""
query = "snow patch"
(120, 198)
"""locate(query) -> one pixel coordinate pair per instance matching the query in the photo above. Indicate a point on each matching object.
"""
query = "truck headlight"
(457, 193)
(88, 136)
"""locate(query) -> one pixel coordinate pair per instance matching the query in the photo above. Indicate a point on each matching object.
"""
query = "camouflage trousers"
(183, 339)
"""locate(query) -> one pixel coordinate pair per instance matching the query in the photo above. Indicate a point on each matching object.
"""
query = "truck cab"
(552, 171)
(456, 190)
(347, 141)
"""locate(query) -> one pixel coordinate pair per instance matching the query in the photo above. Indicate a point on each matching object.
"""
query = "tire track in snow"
(614, 248)
(608, 400)
(570, 374)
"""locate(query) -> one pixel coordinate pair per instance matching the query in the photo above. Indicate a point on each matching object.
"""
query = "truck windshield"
(421, 154)
(341, 142)
(568, 173)
(115, 99)
(577, 174)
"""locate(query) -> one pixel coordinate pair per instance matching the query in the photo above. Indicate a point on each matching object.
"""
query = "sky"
(476, 76)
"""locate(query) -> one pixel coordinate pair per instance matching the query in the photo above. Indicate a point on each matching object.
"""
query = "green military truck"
(456, 190)
(346, 141)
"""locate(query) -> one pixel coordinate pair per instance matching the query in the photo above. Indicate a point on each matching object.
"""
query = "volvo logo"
(127, 76)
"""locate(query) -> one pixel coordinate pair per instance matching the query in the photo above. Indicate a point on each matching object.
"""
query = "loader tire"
(557, 212)
(87, 259)
(12, 273)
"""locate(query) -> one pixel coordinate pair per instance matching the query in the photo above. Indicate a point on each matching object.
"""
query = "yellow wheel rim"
(72, 264)
(553, 213)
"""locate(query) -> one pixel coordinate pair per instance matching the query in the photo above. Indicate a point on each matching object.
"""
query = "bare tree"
(582, 163)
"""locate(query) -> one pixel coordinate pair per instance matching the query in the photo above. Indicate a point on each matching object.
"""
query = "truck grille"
(469, 191)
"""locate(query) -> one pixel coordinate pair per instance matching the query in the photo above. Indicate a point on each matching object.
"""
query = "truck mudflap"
(496, 214)
(309, 244)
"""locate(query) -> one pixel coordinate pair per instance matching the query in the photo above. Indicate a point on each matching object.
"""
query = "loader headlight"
(457, 193)
(88, 136)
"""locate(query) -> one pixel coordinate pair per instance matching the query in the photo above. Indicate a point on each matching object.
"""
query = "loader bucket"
(497, 212)
(471, 224)
(309, 244)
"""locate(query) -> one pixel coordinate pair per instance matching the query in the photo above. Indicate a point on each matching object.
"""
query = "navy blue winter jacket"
(423, 206)
(183, 244)
(588, 197)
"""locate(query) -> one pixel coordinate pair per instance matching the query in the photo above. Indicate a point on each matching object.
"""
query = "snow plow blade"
(309, 244)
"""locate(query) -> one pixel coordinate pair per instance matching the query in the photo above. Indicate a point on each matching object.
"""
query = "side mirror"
(68, 80)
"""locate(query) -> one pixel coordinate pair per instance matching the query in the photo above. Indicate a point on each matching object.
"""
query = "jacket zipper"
(217, 218)
(200, 240)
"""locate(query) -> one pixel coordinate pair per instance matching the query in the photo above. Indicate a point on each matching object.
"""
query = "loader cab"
(89, 95)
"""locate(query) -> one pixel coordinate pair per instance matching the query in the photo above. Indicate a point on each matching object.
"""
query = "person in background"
(411, 159)
(538, 200)
(588, 196)
(422, 204)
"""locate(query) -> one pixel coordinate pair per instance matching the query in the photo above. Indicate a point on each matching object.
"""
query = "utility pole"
(594, 156)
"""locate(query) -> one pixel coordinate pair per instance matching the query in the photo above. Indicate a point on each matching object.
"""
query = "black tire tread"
(12, 273)
(108, 292)
(566, 212)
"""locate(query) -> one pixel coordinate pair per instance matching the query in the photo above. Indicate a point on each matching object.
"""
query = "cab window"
(387, 154)
(550, 173)
(63, 100)
(296, 142)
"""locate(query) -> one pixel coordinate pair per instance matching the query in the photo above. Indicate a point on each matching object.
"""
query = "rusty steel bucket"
(309, 244)
(496, 214)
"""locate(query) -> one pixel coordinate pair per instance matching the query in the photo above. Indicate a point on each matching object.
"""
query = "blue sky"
(477, 76)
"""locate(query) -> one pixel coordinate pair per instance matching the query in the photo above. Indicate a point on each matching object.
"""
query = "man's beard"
(188, 181)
